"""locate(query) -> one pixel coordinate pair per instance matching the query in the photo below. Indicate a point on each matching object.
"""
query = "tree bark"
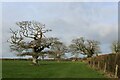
(35, 60)
(58, 60)
(42, 57)
(89, 56)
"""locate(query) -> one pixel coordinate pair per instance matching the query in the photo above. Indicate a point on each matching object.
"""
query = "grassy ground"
(48, 69)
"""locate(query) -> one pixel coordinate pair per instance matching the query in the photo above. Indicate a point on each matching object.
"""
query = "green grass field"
(48, 69)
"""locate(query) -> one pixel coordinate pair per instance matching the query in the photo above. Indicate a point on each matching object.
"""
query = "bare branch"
(88, 47)
(29, 36)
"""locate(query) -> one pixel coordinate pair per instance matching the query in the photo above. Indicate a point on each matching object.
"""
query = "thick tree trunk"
(89, 56)
(35, 60)
(58, 60)
(42, 57)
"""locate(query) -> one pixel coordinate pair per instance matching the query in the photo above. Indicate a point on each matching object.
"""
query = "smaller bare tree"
(115, 47)
(58, 47)
(86, 47)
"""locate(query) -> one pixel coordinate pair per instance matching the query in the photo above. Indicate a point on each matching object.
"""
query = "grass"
(48, 69)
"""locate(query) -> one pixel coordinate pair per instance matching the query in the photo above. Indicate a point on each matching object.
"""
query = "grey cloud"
(68, 21)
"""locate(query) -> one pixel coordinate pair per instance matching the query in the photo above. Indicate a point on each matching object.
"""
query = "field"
(48, 69)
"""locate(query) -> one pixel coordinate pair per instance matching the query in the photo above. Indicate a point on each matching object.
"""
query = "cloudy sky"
(68, 20)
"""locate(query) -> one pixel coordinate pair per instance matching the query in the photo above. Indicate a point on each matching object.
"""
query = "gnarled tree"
(86, 47)
(115, 47)
(29, 39)
(58, 48)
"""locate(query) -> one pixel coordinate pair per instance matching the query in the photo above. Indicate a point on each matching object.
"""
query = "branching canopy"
(115, 47)
(87, 47)
(30, 35)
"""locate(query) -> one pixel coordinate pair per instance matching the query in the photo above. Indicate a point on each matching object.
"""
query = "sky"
(68, 20)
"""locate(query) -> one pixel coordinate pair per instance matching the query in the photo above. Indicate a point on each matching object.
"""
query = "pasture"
(48, 69)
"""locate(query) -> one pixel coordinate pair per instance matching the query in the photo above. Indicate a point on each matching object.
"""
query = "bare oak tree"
(87, 47)
(58, 47)
(115, 47)
(29, 39)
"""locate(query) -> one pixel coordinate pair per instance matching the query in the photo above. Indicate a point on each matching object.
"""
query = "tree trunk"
(35, 60)
(58, 60)
(89, 56)
(42, 57)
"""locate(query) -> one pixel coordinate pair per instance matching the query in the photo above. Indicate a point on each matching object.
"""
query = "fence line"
(109, 63)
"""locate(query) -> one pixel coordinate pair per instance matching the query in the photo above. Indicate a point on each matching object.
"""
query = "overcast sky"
(68, 20)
